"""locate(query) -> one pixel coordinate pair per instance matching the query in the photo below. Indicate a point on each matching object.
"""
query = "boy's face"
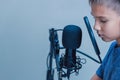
(107, 23)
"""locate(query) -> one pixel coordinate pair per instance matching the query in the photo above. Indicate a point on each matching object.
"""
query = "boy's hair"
(113, 4)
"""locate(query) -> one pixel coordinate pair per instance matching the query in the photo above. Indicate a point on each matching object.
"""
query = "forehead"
(101, 10)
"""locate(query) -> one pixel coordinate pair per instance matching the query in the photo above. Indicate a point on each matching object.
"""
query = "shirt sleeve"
(100, 70)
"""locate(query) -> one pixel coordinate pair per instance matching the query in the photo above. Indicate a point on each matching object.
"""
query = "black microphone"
(71, 40)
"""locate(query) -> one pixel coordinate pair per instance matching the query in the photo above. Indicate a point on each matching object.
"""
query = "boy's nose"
(97, 27)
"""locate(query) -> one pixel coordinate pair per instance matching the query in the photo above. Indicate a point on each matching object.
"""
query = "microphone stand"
(50, 71)
(54, 53)
(92, 37)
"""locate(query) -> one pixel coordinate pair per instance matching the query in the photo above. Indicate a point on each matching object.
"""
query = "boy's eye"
(103, 21)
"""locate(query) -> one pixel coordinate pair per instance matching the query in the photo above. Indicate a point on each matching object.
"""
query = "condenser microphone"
(71, 37)
(71, 40)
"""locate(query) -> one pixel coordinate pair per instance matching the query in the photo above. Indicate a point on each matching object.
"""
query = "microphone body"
(71, 40)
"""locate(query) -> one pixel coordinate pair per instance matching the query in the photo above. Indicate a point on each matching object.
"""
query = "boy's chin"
(107, 40)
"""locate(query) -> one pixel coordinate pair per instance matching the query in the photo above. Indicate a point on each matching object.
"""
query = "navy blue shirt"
(110, 67)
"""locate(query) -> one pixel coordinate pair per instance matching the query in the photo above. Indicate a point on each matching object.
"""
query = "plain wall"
(24, 36)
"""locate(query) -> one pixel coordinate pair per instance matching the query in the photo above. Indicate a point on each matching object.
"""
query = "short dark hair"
(113, 4)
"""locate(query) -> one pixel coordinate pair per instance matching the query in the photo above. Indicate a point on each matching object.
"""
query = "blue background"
(24, 36)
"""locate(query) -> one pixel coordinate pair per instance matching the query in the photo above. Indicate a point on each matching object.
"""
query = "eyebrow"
(97, 16)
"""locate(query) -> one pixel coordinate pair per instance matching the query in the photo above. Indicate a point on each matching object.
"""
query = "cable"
(88, 56)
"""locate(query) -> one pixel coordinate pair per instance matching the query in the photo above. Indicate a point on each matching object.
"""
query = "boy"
(107, 25)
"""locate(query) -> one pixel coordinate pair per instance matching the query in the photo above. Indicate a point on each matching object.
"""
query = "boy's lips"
(100, 35)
